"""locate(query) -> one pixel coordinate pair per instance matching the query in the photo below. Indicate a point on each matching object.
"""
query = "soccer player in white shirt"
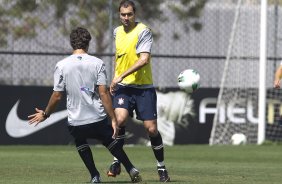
(83, 78)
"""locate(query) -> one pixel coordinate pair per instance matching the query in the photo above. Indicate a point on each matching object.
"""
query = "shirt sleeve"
(59, 81)
(102, 76)
(115, 33)
(145, 41)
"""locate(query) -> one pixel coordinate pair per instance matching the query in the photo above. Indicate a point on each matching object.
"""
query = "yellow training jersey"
(126, 56)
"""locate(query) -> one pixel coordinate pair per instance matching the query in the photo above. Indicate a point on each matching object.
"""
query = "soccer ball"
(238, 139)
(189, 80)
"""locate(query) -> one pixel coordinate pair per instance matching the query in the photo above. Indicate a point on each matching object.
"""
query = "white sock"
(115, 159)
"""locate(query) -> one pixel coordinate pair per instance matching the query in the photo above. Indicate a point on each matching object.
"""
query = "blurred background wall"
(197, 34)
(187, 34)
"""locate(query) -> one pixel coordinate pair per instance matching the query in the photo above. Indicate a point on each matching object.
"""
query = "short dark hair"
(80, 38)
(126, 3)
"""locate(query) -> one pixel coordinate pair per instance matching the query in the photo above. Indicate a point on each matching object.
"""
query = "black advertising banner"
(19, 102)
(178, 117)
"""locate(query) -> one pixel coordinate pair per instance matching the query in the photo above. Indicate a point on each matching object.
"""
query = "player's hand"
(114, 83)
(277, 84)
(112, 88)
(116, 129)
(37, 117)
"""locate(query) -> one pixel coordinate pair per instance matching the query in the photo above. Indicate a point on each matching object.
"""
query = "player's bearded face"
(127, 16)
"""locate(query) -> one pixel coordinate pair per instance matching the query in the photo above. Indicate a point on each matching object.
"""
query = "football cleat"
(163, 174)
(114, 169)
(134, 175)
(96, 179)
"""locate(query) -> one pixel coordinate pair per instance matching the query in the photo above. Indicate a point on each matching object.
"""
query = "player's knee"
(152, 131)
(121, 121)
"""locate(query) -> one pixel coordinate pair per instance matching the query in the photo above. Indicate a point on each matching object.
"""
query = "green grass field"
(199, 164)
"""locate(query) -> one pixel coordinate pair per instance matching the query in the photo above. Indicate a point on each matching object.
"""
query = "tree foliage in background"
(275, 2)
(189, 12)
(25, 23)
(24, 18)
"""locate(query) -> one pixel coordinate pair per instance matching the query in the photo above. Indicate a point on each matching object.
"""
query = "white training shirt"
(79, 75)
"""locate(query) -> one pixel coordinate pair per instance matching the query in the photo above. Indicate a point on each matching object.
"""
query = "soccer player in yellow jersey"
(132, 86)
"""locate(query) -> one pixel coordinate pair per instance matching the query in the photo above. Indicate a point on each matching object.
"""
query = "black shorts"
(143, 101)
(101, 131)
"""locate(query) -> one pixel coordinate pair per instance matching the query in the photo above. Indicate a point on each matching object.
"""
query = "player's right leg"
(117, 151)
(121, 106)
(115, 167)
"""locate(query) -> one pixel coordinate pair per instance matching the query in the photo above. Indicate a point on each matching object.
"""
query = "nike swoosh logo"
(119, 56)
(18, 128)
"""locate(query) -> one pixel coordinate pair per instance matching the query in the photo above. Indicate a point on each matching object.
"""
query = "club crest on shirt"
(120, 101)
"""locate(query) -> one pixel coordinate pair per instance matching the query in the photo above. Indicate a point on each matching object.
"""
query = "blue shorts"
(143, 101)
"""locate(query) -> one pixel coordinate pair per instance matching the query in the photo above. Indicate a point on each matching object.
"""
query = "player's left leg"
(80, 133)
(146, 110)
(157, 147)
(87, 158)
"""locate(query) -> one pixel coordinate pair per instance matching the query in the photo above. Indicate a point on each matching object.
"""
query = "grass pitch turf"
(191, 164)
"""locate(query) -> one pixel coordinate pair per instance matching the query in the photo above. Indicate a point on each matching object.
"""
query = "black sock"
(157, 146)
(116, 148)
(120, 138)
(87, 157)
(119, 153)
